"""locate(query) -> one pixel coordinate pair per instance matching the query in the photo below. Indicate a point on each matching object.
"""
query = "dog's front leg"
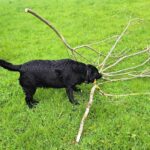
(77, 89)
(69, 91)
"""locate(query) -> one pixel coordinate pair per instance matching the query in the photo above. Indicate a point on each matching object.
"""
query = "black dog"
(56, 74)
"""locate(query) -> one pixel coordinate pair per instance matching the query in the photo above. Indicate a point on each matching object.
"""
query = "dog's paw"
(76, 102)
(30, 105)
(34, 102)
(79, 90)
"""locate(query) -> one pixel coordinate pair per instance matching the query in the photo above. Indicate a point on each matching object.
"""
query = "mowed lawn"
(122, 123)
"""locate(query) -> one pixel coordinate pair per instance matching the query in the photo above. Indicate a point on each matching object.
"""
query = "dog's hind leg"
(69, 91)
(29, 92)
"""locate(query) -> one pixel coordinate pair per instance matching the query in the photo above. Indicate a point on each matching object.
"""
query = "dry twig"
(122, 95)
(113, 47)
(131, 68)
(115, 44)
(126, 56)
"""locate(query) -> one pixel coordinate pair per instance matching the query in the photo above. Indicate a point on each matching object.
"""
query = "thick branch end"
(26, 10)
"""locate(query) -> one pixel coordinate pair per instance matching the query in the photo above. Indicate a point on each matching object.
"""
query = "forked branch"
(62, 38)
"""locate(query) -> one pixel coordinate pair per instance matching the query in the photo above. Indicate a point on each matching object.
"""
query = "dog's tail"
(9, 66)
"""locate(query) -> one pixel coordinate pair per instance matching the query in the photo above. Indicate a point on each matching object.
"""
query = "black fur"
(64, 73)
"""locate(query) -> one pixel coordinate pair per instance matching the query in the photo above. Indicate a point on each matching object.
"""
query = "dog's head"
(92, 74)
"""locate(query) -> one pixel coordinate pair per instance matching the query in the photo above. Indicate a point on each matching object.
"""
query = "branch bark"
(86, 113)
(27, 10)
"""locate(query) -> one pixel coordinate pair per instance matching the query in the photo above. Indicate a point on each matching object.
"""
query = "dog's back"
(55, 73)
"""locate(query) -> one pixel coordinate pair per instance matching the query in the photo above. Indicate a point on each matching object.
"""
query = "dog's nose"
(99, 76)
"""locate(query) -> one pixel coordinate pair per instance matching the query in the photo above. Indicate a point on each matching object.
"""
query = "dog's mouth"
(90, 81)
(86, 82)
(99, 76)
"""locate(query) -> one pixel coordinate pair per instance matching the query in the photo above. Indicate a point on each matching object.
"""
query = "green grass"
(122, 123)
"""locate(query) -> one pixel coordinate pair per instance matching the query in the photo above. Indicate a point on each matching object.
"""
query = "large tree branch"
(106, 76)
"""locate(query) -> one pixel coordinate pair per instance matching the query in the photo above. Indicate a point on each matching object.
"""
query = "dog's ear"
(77, 68)
(89, 73)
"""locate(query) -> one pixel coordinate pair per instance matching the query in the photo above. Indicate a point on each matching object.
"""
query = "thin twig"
(122, 95)
(120, 74)
(123, 79)
(113, 47)
(126, 56)
(115, 44)
(88, 46)
(82, 56)
(140, 75)
(121, 54)
(130, 68)
(99, 42)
